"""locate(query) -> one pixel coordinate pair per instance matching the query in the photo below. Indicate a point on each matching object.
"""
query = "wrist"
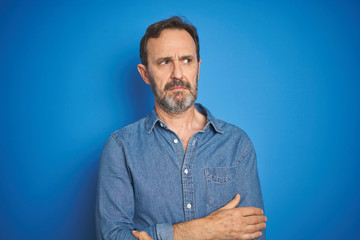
(191, 230)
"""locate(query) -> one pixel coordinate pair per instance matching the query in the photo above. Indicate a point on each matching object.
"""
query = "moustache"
(177, 83)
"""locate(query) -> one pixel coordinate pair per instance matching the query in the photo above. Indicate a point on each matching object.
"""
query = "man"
(178, 173)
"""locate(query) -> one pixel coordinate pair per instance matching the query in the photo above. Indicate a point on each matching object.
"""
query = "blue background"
(286, 72)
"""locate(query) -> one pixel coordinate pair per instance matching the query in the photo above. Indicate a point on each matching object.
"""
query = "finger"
(141, 235)
(254, 228)
(252, 235)
(136, 234)
(233, 203)
(251, 220)
(249, 211)
(145, 236)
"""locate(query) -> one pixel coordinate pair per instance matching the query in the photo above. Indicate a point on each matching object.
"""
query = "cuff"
(164, 231)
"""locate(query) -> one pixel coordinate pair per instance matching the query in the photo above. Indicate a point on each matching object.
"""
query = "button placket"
(187, 178)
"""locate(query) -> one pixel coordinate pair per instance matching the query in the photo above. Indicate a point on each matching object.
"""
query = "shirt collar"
(153, 118)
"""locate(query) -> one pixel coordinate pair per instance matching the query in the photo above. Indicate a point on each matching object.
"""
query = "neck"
(183, 124)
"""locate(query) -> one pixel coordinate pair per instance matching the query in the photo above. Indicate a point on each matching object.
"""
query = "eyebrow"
(187, 56)
(170, 58)
(159, 60)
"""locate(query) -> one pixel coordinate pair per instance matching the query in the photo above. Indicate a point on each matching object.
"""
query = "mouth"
(177, 85)
(178, 88)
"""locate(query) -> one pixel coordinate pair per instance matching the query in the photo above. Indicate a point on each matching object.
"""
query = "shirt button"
(176, 141)
(186, 171)
(161, 125)
(188, 205)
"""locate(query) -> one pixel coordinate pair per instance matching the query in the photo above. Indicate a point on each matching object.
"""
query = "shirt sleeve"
(250, 181)
(163, 231)
(115, 198)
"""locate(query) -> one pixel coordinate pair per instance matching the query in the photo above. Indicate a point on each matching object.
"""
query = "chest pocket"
(222, 185)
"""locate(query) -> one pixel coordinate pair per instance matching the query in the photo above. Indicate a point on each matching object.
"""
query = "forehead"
(171, 42)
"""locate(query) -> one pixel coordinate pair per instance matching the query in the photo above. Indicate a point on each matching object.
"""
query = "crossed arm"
(228, 222)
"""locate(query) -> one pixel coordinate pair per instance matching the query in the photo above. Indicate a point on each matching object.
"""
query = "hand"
(141, 235)
(230, 222)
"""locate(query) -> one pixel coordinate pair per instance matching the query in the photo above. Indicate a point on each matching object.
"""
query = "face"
(173, 70)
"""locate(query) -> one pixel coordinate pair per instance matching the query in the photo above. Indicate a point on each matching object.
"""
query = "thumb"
(233, 203)
(136, 234)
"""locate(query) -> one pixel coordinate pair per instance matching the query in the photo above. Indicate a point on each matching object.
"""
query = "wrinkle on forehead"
(173, 43)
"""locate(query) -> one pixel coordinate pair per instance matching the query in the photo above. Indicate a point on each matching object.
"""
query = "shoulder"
(233, 131)
(231, 128)
(238, 139)
(130, 131)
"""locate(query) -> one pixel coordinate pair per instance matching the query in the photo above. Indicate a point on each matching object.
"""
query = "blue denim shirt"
(148, 182)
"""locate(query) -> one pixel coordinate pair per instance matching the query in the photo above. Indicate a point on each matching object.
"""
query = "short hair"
(155, 29)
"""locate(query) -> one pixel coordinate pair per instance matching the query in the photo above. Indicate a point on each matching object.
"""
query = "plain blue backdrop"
(286, 72)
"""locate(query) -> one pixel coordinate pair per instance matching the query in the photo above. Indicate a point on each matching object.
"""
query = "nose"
(177, 71)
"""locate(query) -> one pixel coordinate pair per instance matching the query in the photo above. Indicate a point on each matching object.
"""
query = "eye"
(187, 60)
(164, 62)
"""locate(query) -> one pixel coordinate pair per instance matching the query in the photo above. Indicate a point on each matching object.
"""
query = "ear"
(143, 72)
(199, 68)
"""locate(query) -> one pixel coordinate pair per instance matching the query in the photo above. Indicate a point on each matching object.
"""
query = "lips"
(177, 88)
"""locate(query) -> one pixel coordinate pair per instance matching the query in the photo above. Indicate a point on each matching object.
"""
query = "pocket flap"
(221, 174)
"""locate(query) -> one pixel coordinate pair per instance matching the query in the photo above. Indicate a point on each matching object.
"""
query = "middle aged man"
(179, 172)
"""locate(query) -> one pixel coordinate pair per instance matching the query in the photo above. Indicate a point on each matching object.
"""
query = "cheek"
(160, 76)
(192, 73)
(160, 83)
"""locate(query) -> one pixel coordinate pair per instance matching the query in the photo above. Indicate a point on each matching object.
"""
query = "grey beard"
(176, 106)
(172, 104)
